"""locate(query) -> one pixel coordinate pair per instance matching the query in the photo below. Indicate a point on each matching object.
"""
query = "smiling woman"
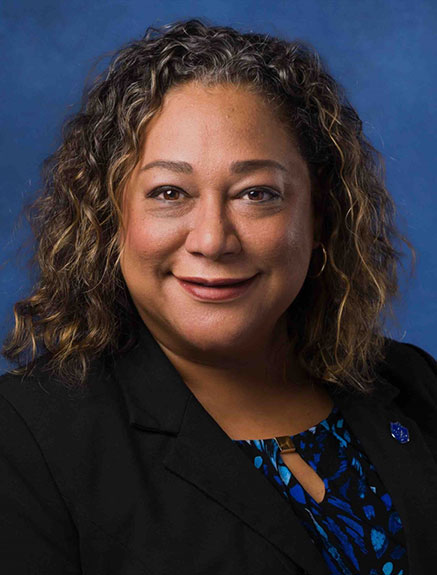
(216, 256)
(226, 219)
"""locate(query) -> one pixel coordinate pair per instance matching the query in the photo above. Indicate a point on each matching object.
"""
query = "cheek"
(286, 245)
(146, 241)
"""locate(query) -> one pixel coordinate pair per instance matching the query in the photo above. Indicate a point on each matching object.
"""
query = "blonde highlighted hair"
(80, 307)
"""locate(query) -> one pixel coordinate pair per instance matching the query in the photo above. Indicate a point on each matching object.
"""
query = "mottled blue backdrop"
(383, 52)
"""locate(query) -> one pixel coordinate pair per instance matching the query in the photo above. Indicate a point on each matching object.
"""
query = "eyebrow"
(240, 167)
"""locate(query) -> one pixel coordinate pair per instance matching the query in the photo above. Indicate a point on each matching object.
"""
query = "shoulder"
(68, 429)
(410, 368)
(51, 408)
(411, 374)
(408, 354)
(40, 382)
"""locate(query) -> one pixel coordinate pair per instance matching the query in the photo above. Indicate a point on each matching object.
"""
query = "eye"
(254, 193)
(273, 195)
(163, 190)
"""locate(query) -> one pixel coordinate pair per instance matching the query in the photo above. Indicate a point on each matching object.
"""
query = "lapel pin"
(399, 432)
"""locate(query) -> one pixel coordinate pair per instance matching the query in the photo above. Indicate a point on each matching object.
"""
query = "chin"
(219, 339)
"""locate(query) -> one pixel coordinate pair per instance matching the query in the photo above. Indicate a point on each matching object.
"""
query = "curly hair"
(80, 306)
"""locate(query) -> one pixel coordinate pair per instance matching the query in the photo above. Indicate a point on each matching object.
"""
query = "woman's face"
(234, 202)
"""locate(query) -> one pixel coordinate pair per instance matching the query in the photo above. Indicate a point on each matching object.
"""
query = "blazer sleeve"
(37, 534)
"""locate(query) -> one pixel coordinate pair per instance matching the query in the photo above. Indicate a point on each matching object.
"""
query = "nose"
(212, 232)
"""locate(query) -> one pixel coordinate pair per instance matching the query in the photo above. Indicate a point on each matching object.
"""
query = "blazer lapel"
(158, 400)
(204, 455)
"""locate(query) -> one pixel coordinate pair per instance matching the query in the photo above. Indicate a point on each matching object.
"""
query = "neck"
(265, 377)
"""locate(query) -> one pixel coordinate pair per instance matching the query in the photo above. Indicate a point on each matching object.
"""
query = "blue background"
(383, 52)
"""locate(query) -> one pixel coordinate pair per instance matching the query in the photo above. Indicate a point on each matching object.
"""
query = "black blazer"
(134, 477)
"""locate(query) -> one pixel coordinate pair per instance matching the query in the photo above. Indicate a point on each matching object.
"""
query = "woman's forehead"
(209, 121)
(222, 103)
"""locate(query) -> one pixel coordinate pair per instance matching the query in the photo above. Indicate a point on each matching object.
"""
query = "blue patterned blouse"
(355, 527)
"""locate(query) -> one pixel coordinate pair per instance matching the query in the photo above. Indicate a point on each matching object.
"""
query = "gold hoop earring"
(325, 259)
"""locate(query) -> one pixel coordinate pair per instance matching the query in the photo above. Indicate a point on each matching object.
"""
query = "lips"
(219, 282)
(217, 285)
(217, 292)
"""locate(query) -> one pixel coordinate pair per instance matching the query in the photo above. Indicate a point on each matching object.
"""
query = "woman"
(203, 384)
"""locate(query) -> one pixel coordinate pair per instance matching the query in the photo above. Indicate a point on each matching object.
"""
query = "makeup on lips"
(216, 292)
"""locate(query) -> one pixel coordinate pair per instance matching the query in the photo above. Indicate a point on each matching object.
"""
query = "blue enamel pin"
(399, 432)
